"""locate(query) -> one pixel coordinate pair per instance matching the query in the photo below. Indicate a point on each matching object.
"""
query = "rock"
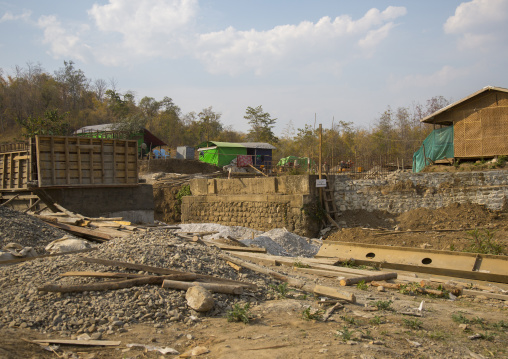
(381, 289)
(199, 299)
(463, 327)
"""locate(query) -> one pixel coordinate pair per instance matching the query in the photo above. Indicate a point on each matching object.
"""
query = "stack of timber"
(96, 229)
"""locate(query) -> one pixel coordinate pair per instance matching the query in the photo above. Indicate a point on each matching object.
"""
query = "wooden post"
(368, 278)
(213, 287)
(320, 164)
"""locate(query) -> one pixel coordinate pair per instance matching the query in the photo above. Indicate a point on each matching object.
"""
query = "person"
(325, 168)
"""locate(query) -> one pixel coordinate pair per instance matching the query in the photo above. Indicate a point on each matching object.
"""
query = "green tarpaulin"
(302, 161)
(220, 153)
(438, 145)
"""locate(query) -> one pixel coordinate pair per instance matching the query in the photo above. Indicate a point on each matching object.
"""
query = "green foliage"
(314, 210)
(184, 191)
(345, 334)
(51, 124)
(309, 314)
(483, 242)
(501, 161)
(261, 125)
(412, 323)
(376, 320)
(350, 320)
(362, 285)
(299, 264)
(409, 288)
(239, 313)
(383, 304)
(281, 290)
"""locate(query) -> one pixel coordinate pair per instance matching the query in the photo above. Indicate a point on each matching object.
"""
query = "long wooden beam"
(457, 264)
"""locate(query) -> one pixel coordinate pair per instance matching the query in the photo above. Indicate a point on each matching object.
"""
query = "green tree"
(52, 124)
(209, 124)
(262, 125)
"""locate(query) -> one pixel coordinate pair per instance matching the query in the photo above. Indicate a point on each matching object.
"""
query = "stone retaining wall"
(404, 191)
(258, 203)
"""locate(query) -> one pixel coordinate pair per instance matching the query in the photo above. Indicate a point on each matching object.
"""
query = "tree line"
(33, 101)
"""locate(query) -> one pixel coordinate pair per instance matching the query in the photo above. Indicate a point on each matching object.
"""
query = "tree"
(209, 124)
(261, 125)
(51, 124)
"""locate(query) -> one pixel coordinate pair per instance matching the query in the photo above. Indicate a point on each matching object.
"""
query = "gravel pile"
(267, 243)
(294, 244)
(26, 230)
(107, 312)
(235, 232)
(278, 241)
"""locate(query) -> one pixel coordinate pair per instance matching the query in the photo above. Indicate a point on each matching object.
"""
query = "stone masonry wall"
(404, 191)
(258, 203)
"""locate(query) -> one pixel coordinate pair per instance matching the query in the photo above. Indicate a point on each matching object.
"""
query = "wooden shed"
(480, 123)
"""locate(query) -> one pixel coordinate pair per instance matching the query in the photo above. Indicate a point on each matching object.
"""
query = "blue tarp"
(438, 145)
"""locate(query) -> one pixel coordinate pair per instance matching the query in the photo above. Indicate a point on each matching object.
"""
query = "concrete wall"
(404, 191)
(259, 203)
(134, 204)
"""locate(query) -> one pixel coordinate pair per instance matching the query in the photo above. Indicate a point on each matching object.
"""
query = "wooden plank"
(80, 174)
(126, 161)
(103, 343)
(213, 287)
(53, 175)
(458, 264)
(26, 259)
(91, 161)
(11, 177)
(114, 161)
(67, 160)
(87, 233)
(368, 278)
(164, 271)
(103, 274)
(114, 285)
(486, 294)
(103, 167)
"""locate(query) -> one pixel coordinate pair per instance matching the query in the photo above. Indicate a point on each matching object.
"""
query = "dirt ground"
(442, 229)
(277, 329)
(468, 327)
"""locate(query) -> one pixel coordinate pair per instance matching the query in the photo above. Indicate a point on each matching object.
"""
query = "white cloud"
(8, 16)
(62, 43)
(444, 76)
(128, 31)
(479, 23)
(150, 28)
(232, 51)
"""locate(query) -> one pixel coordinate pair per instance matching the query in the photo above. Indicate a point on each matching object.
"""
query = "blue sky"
(346, 60)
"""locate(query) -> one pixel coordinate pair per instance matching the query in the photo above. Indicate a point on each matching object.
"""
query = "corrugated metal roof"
(432, 117)
(261, 145)
(95, 128)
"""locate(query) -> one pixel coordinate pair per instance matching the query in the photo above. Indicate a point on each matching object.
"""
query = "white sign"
(321, 183)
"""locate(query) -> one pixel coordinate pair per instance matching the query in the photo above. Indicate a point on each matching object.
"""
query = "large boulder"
(200, 299)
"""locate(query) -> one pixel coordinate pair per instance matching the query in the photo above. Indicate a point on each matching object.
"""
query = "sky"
(304, 62)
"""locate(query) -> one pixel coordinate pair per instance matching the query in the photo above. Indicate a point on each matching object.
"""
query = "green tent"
(220, 153)
(437, 145)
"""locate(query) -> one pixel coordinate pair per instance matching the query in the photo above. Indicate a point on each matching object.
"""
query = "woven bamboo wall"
(481, 126)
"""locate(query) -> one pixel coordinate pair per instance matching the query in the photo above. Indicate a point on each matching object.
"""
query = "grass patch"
(483, 242)
(383, 304)
(309, 314)
(362, 285)
(412, 323)
(345, 334)
(281, 291)
(239, 313)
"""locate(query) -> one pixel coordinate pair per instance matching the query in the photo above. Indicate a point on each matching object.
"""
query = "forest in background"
(33, 101)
